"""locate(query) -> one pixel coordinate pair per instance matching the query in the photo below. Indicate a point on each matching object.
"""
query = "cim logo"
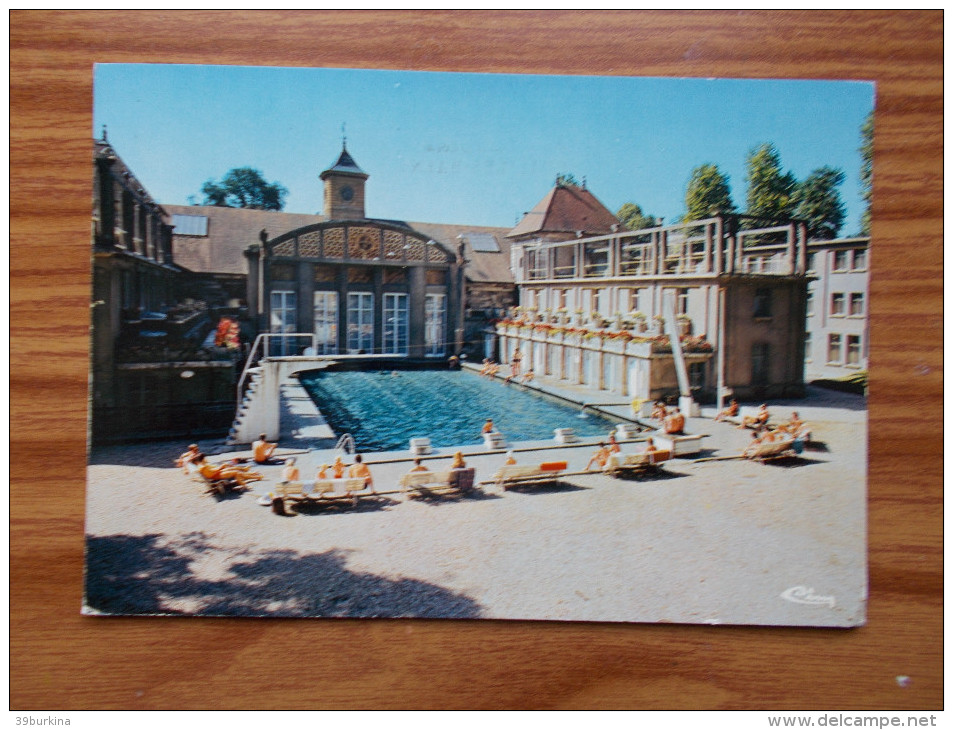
(807, 596)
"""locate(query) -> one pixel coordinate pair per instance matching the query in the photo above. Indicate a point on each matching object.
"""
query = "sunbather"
(613, 444)
(290, 473)
(650, 446)
(510, 459)
(215, 472)
(418, 466)
(758, 421)
(488, 426)
(187, 458)
(458, 462)
(262, 451)
(674, 423)
(730, 412)
(338, 468)
(359, 470)
(600, 457)
(659, 411)
(323, 472)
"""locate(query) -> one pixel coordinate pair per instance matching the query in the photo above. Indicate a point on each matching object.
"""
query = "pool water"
(383, 410)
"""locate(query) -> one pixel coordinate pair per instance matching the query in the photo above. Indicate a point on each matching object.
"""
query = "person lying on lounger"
(187, 458)
(758, 421)
(215, 472)
(458, 462)
(730, 412)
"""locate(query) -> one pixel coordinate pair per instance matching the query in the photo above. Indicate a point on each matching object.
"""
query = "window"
(284, 319)
(811, 261)
(435, 315)
(760, 363)
(635, 299)
(856, 304)
(837, 304)
(325, 322)
(860, 259)
(834, 349)
(681, 301)
(841, 260)
(853, 349)
(808, 355)
(190, 225)
(483, 242)
(394, 341)
(762, 303)
(360, 322)
(809, 303)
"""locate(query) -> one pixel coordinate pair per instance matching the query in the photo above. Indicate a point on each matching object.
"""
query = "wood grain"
(62, 661)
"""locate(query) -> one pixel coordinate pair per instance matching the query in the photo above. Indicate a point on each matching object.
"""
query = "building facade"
(150, 374)
(837, 308)
(628, 311)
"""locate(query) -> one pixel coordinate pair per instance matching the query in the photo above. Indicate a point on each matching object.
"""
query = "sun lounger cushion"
(554, 466)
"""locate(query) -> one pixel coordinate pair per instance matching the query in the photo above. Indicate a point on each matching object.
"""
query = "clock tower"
(344, 188)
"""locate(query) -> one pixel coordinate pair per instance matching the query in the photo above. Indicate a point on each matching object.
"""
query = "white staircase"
(247, 415)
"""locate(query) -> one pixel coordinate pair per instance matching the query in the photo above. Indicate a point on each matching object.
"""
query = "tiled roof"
(345, 164)
(232, 230)
(566, 209)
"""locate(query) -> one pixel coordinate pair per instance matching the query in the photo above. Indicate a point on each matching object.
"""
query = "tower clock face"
(347, 193)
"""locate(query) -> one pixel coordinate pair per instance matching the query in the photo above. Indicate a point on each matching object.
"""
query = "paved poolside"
(718, 541)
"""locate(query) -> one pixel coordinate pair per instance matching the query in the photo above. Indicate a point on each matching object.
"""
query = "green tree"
(244, 187)
(708, 192)
(771, 192)
(866, 171)
(819, 203)
(632, 217)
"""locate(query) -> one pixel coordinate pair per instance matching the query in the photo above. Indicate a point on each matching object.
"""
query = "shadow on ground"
(437, 498)
(130, 574)
(550, 488)
(313, 507)
(649, 475)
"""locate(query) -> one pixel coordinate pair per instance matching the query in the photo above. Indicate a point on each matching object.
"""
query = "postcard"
(449, 345)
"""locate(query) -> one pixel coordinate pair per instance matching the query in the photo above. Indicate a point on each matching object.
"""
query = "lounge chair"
(452, 480)
(218, 486)
(516, 475)
(778, 449)
(349, 489)
(619, 463)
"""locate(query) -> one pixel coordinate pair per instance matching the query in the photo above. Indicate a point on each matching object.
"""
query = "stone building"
(150, 374)
(350, 282)
(662, 311)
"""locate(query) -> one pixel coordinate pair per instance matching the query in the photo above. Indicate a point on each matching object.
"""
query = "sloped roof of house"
(566, 209)
(229, 231)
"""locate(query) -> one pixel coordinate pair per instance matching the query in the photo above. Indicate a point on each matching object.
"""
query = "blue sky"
(477, 149)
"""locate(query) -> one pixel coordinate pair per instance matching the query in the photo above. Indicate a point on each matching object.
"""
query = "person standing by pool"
(360, 470)
(515, 363)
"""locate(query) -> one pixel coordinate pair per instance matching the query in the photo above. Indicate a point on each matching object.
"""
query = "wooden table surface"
(61, 660)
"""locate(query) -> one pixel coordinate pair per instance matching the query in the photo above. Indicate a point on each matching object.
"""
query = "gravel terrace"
(717, 541)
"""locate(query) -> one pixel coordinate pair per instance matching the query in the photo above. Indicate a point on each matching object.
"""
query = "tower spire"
(344, 135)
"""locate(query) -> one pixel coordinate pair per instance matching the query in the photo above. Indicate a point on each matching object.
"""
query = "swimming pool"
(383, 410)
